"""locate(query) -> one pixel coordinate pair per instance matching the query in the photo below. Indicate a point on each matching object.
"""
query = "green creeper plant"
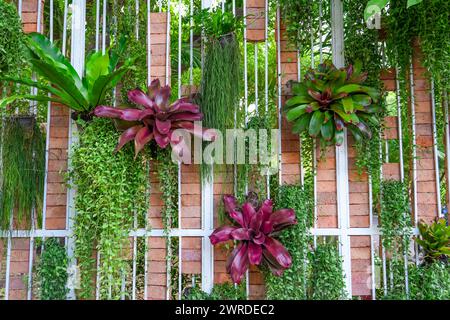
(51, 271)
(223, 291)
(11, 39)
(293, 284)
(327, 276)
(395, 221)
(110, 189)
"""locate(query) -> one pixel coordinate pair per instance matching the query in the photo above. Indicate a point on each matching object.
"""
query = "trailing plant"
(362, 44)
(293, 283)
(110, 189)
(255, 229)
(223, 291)
(327, 275)
(375, 6)
(395, 221)
(22, 171)
(221, 74)
(64, 84)
(429, 22)
(426, 282)
(11, 39)
(301, 19)
(155, 119)
(330, 99)
(435, 241)
(51, 271)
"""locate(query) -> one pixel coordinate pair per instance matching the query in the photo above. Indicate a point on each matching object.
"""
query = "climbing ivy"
(224, 291)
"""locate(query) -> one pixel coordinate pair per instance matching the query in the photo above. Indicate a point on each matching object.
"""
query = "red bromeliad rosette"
(255, 229)
(156, 118)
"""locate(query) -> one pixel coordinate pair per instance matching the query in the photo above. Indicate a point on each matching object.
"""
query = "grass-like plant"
(22, 172)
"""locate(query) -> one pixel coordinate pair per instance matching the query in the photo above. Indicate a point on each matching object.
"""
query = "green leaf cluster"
(110, 190)
(223, 291)
(51, 270)
(435, 240)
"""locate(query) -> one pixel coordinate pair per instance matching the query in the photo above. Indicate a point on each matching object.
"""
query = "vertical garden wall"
(360, 154)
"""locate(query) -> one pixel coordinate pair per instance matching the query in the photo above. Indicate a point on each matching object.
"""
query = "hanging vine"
(110, 188)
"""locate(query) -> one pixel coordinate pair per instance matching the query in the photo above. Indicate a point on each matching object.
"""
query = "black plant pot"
(85, 116)
(25, 121)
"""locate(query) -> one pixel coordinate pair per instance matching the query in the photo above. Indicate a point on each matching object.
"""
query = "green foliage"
(426, 282)
(64, 83)
(435, 240)
(329, 99)
(168, 184)
(23, 169)
(395, 222)
(110, 189)
(301, 18)
(216, 23)
(327, 280)
(224, 291)
(51, 271)
(293, 284)
(428, 21)
(11, 39)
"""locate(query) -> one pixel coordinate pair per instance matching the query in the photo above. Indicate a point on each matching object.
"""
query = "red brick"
(56, 212)
(156, 279)
(256, 35)
(55, 223)
(156, 292)
(192, 267)
(327, 222)
(157, 254)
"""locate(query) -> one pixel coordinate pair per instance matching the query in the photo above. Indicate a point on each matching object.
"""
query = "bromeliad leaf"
(334, 99)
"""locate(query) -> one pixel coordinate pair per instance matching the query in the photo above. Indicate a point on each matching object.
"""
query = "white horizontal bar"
(184, 232)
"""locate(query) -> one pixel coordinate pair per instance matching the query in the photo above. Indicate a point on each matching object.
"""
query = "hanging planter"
(330, 99)
(256, 17)
(255, 228)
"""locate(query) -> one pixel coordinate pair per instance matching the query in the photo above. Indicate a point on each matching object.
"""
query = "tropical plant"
(22, 171)
(51, 271)
(156, 119)
(222, 291)
(434, 240)
(330, 99)
(64, 85)
(255, 227)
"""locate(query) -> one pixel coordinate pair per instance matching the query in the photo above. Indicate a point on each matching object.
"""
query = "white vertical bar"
(168, 44)
(256, 78)
(337, 27)
(64, 39)
(266, 78)
(280, 180)
(180, 248)
(77, 59)
(244, 8)
(414, 151)
(8, 259)
(447, 143)
(435, 150)
(208, 225)
(104, 27)
(137, 19)
(149, 65)
(191, 42)
(133, 279)
(19, 8)
(97, 278)
(51, 20)
(97, 24)
(30, 258)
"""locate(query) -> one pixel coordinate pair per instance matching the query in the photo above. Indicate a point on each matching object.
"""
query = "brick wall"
(426, 178)
(255, 20)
